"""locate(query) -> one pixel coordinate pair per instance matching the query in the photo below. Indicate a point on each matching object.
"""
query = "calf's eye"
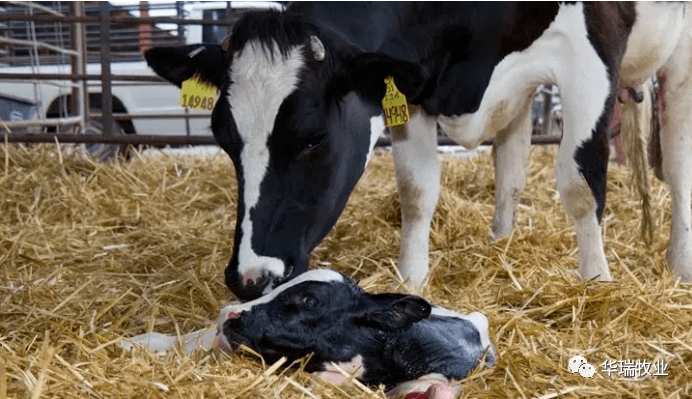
(310, 302)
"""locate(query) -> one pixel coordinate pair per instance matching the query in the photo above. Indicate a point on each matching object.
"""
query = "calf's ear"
(366, 74)
(394, 311)
(178, 64)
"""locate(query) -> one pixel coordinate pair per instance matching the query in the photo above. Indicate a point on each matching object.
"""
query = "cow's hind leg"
(676, 146)
(588, 93)
(510, 154)
(418, 180)
(581, 169)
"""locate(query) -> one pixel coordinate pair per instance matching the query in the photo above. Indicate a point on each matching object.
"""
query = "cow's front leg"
(418, 180)
(510, 155)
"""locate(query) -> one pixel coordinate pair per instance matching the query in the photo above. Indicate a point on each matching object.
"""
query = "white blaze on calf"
(261, 82)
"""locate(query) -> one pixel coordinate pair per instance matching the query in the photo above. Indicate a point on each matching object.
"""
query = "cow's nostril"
(250, 289)
(258, 282)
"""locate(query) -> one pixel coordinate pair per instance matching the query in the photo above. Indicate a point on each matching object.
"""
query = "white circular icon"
(575, 363)
(586, 370)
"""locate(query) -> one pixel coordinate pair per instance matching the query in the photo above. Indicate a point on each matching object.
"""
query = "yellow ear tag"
(197, 94)
(394, 105)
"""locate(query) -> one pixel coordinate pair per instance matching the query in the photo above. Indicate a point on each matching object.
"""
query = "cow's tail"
(636, 128)
(657, 105)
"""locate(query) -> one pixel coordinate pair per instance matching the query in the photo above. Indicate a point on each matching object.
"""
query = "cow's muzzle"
(254, 285)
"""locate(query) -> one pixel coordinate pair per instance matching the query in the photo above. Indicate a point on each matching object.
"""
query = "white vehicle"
(51, 98)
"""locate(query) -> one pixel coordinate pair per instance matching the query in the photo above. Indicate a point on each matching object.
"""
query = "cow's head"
(298, 121)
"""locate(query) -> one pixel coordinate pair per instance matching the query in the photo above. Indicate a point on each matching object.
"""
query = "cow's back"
(456, 44)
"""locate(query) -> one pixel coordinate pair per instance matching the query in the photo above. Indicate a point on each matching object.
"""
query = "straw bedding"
(93, 252)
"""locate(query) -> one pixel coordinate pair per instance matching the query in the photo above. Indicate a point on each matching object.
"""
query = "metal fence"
(52, 26)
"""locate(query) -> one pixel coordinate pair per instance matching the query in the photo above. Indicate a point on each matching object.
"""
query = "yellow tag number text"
(198, 95)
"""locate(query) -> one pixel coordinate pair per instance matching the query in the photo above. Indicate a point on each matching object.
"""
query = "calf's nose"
(229, 312)
(232, 315)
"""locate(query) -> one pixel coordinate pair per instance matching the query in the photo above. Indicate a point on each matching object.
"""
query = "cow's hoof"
(595, 271)
(677, 259)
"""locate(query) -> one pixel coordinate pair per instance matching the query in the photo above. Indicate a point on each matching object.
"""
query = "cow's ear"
(366, 74)
(390, 312)
(177, 64)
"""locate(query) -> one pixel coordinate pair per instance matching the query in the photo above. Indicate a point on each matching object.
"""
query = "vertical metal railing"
(547, 109)
(106, 93)
(180, 13)
(79, 100)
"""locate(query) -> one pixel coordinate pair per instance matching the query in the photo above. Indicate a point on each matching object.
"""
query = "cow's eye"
(311, 148)
(315, 141)
(310, 302)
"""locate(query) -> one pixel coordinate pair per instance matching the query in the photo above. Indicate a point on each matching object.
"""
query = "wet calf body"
(398, 340)
(380, 338)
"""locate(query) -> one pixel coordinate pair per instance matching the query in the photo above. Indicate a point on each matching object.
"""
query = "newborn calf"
(381, 338)
(393, 339)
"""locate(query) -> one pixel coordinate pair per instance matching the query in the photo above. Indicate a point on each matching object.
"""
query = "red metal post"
(144, 29)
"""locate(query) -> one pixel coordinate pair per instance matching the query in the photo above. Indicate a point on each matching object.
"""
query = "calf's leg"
(418, 180)
(430, 386)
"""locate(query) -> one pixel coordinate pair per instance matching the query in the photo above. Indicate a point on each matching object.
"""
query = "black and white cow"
(398, 340)
(300, 110)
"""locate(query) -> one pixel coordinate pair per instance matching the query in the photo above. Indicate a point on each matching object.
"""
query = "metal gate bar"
(136, 139)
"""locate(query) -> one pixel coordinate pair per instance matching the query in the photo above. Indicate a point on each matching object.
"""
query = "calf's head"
(319, 311)
(298, 129)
